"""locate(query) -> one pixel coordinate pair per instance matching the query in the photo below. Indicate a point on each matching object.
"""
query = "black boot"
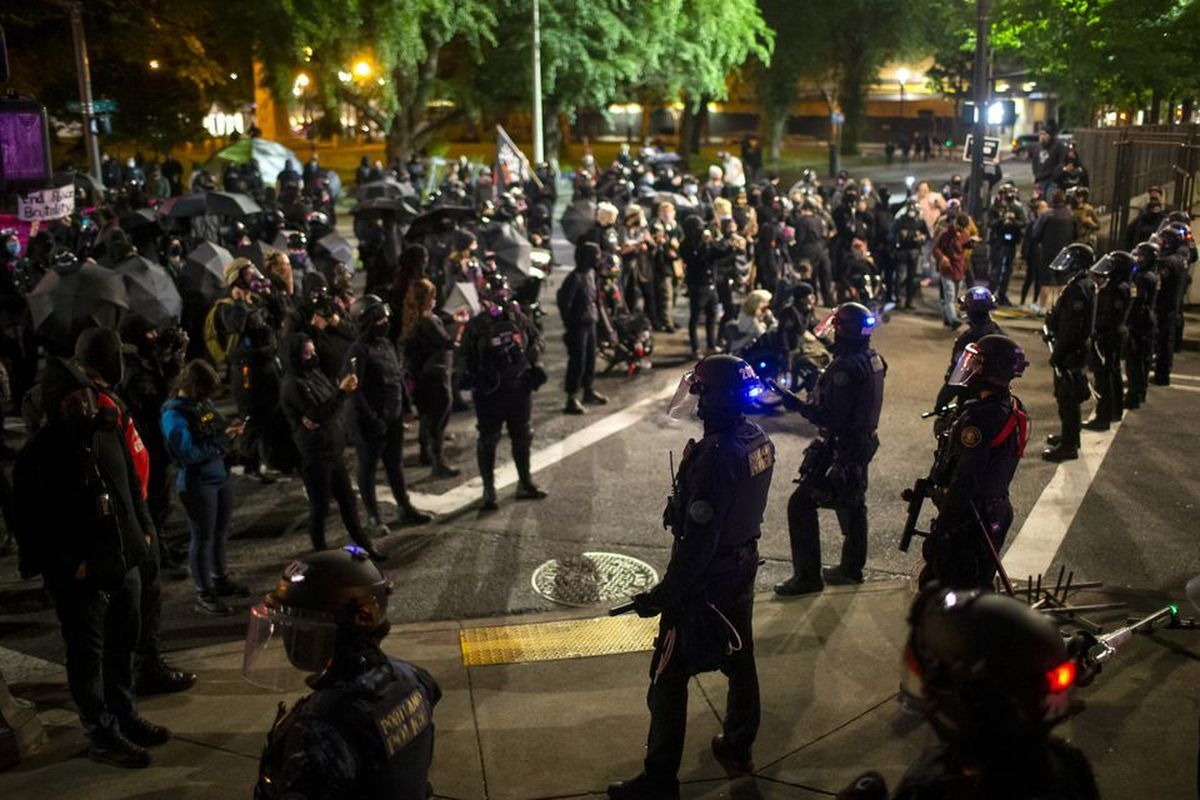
(411, 515)
(573, 406)
(795, 586)
(526, 488)
(154, 676)
(486, 455)
(643, 787)
(1060, 452)
(110, 747)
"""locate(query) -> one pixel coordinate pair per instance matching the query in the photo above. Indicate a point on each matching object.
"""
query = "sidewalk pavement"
(829, 667)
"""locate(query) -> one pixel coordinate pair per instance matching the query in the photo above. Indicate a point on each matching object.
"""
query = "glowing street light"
(362, 68)
(902, 76)
(154, 63)
(302, 80)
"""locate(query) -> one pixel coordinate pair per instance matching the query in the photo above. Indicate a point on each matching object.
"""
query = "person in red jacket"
(950, 255)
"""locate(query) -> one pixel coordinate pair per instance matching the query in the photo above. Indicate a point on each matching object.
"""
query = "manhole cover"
(592, 578)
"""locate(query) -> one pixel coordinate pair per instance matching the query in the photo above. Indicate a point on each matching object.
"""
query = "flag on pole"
(512, 167)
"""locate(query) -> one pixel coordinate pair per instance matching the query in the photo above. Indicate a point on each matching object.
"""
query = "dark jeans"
(581, 356)
(1137, 366)
(324, 480)
(210, 514)
(823, 278)
(1003, 254)
(702, 300)
(432, 399)
(150, 606)
(1164, 352)
(100, 630)
(390, 448)
(804, 531)
(906, 275)
(510, 405)
(667, 697)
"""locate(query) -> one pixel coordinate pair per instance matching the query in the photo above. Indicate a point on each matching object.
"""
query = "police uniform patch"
(401, 723)
(700, 512)
(970, 436)
(761, 459)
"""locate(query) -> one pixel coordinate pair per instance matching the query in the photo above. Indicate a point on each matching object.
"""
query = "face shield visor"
(685, 403)
(283, 647)
(968, 366)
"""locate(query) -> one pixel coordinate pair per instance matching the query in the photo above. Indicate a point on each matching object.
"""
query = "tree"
(402, 88)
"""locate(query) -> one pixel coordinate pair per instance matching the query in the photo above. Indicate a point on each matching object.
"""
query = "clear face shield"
(685, 403)
(284, 647)
(968, 365)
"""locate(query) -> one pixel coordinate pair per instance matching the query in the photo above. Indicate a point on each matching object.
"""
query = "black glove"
(645, 605)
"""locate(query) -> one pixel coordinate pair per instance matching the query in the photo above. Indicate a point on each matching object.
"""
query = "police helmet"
(319, 598)
(719, 385)
(296, 240)
(1116, 264)
(1073, 259)
(496, 289)
(976, 300)
(992, 361)
(372, 309)
(993, 671)
(850, 322)
(1147, 251)
(1173, 235)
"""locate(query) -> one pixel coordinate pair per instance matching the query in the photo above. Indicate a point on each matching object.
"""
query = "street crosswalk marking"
(1184, 388)
(1185, 377)
(469, 491)
(1035, 545)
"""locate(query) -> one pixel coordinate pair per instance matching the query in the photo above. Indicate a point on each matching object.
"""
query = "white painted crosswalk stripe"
(1035, 545)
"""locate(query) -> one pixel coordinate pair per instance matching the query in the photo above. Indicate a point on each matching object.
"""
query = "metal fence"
(1123, 163)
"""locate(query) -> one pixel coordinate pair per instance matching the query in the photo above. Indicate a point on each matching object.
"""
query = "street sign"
(102, 106)
(991, 148)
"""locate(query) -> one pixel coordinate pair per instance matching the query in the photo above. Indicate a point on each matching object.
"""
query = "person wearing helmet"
(1068, 328)
(377, 415)
(1111, 273)
(909, 235)
(977, 305)
(367, 729)
(715, 513)
(1142, 323)
(1174, 240)
(501, 347)
(996, 678)
(845, 408)
(979, 449)
(1007, 220)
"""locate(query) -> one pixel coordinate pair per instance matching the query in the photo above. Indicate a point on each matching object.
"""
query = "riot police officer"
(1111, 273)
(1069, 330)
(845, 408)
(977, 305)
(502, 347)
(367, 729)
(1143, 331)
(1174, 242)
(996, 678)
(978, 453)
(706, 597)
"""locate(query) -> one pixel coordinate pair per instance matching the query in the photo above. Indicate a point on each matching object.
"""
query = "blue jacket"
(195, 434)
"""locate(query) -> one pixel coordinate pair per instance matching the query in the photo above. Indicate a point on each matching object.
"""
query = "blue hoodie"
(195, 434)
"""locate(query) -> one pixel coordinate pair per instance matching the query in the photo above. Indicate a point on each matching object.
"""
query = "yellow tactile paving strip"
(552, 641)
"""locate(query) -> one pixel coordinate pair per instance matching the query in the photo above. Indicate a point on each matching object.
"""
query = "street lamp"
(362, 68)
(902, 78)
(154, 63)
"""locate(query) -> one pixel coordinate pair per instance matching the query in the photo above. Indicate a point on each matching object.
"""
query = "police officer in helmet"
(501, 347)
(1111, 274)
(706, 597)
(1143, 322)
(1068, 328)
(978, 453)
(845, 408)
(367, 728)
(1175, 243)
(977, 305)
(996, 678)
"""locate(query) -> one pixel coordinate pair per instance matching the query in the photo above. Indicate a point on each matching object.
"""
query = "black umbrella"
(510, 248)
(203, 272)
(387, 188)
(82, 180)
(138, 219)
(386, 205)
(578, 220)
(187, 205)
(64, 304)
(336, 248)
(150, 290)
(431, 221)
(230, 204)
(256, 252)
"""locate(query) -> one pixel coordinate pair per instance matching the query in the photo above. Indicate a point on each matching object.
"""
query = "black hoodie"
(308, 393)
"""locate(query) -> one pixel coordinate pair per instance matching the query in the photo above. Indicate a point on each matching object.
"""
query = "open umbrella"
(138, 219)
(256, 252)
(386, 205)
(578, 220)
(64, 304)
(203, 272)
(81, 180)
(431, 221)
(150, 290)
(509, 246)
(230, 204)
(185, 205)
(336, 248)
(270, 156)
(385, 188)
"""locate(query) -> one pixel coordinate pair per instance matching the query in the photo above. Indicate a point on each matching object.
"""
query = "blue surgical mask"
(13, 247)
